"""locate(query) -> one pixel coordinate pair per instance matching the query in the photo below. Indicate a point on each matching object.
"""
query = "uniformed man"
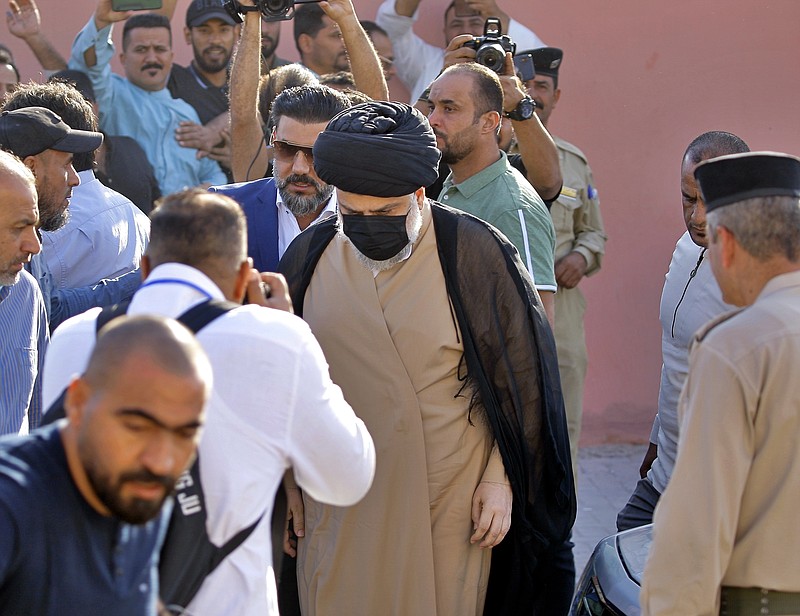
(726, 538)
(580, 242)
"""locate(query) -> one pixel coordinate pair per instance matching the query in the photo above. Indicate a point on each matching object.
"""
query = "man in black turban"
(436, 335)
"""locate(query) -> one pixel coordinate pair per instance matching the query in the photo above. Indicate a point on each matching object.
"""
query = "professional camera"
(490, 49)
(271, 10)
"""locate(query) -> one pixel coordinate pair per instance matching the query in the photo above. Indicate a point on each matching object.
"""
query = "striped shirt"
(23, 343)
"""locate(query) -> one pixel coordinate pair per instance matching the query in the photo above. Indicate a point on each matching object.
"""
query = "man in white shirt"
(273, 403)
(417, 62)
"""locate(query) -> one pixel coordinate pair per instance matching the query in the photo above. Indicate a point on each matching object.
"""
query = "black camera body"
(271, 10)
(490, 49)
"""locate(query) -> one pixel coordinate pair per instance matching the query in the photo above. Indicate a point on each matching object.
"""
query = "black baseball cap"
(546, 60)
(32, 130)
(200, 11)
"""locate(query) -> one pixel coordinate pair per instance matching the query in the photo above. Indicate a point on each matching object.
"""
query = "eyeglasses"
(286, 151)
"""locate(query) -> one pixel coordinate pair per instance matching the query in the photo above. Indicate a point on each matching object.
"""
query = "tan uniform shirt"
(729, 516)
(579, 227)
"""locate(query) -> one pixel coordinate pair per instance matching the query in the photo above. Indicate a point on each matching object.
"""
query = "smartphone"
(135, 5)
(523, 64)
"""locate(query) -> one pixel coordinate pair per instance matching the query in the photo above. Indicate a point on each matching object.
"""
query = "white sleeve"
(331, 451)
(415, 60)
(523, 37)
(68, 354)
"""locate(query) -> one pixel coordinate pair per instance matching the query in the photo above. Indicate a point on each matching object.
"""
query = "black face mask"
(377, 237)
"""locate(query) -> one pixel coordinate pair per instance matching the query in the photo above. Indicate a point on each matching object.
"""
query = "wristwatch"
(523, 110)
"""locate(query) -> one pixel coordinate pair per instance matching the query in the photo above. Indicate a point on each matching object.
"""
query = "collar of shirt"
(473, 184)
(175, 288)
(288, 229)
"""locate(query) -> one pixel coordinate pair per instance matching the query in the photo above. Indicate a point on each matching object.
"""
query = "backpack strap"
(196, 318)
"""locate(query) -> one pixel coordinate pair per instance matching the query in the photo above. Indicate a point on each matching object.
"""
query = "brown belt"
(757, 601)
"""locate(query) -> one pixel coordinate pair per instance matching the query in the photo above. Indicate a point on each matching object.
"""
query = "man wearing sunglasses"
(280, 207)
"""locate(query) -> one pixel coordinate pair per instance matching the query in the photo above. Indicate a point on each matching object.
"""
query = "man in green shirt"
(466, 104)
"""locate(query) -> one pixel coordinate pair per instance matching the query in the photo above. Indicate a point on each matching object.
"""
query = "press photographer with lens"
(538, 153)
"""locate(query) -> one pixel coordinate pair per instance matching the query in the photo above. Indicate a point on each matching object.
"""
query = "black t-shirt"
(208, 100)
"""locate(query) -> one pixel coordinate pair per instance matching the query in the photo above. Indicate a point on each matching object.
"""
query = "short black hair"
(308, 19)
(488, 92)
(145, 20)
(370, 27)
(712, 144)
(308, 104)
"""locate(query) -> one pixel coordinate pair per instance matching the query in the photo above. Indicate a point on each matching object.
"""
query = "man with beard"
(319, 42)
(46, 145)
(140, 105)
(466, 105)
(270, 37)
(280, 207)
(23, 319)
(83, 496)
(212, 33)
(436, 335)
(252, 90)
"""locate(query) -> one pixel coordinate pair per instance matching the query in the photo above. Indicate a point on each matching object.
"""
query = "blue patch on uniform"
(592, 192)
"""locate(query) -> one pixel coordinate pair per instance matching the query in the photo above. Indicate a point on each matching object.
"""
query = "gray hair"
(765, 227)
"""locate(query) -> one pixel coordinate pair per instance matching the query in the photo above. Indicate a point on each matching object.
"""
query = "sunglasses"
(286, 151)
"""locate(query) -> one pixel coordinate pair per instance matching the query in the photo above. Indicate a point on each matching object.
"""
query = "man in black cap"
(212, 33)
(433, 330)
(46, 146)
(725, 530)
(580, 241)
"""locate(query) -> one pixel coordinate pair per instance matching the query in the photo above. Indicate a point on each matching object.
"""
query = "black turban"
(377, 148)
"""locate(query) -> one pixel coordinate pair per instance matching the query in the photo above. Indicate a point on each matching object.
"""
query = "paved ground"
(607, 475)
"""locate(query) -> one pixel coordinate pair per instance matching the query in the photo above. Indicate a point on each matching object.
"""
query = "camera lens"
(491, 55)
(276, 7)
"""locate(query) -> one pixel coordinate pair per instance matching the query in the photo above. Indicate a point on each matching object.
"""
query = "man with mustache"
(140, 105)
(437, 338)
(84, 496)
(280, 207)
(23, 319)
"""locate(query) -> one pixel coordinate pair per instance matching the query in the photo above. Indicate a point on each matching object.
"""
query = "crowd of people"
(272, 342)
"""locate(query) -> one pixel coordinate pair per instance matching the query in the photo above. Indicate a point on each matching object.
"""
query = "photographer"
(539, 156)
(417, 61)
(466, 106)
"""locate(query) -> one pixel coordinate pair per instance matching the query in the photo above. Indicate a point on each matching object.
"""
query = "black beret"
(546, 60)
(737, 177)
(383, 149)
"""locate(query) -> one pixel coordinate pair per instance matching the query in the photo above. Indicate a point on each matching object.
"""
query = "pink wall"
(639, 81)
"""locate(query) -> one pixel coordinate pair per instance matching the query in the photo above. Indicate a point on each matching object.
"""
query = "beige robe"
(394, 348)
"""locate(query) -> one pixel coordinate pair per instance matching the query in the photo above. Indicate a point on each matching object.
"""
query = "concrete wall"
(640, 80)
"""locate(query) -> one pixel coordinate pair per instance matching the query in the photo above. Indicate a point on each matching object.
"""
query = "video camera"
(271, 10)
(490, 49)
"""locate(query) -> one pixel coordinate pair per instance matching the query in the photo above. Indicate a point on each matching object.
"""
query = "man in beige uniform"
(726, 534)
(580, 242)
(434, 332)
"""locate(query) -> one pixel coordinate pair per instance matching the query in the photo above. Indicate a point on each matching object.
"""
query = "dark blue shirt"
(57, 554)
